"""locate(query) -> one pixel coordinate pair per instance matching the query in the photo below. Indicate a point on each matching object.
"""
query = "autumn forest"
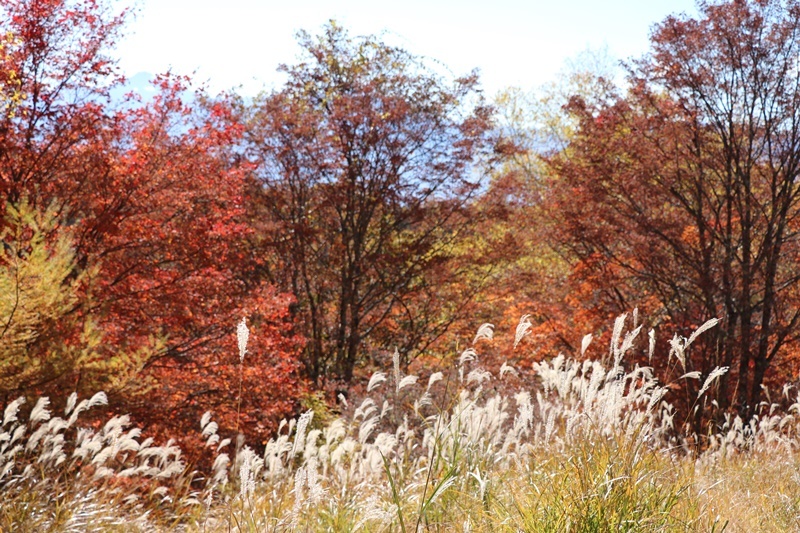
(193, 255)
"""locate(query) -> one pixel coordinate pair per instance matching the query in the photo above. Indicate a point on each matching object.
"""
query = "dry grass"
(590, 448)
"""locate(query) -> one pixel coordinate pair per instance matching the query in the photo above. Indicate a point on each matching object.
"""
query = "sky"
(238, 44)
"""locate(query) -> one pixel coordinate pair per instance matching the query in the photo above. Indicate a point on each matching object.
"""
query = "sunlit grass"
(589, 448)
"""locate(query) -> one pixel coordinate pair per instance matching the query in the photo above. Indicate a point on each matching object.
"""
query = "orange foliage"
(155, 205)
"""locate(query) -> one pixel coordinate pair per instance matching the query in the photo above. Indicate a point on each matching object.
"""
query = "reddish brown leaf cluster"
(156, 208)
(681, 194)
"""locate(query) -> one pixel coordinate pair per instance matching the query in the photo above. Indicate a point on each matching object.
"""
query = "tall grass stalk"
(242, 336)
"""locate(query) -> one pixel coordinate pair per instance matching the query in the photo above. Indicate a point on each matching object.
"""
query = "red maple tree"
(154, 204)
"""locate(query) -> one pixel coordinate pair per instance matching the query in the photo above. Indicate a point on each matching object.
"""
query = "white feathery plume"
(705, 327)
(102, 472)
(396, 366)
(334, 431)
(18, 433)
(244, 474)
(73, 398)
(467, 355)
(10, 414)
(366, 409)
(366, 428)
(406, 381)
(373, 511)
(486, 331)
(247, 473)
(299, 482)
(436, 376)
(376, 379)
(677, 347)
(523, 329)
(99, 398)
(478, 375)
(716, 373)
(300, 435)
(627, 343)
(210, 429)
(505, 368)
(786, 388)
(691, 375)
(315, 489)
(81, 407)
(173, 469)
(442, 488)
(482, 483)
(616, 333)
(651, 335)
(242, 336)
(587, 340)
(205, 419)
(220, 469)
(422, 401)
(40, 412)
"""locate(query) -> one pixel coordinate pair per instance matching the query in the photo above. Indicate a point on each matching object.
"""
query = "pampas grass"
(593, 446)
(58, 476)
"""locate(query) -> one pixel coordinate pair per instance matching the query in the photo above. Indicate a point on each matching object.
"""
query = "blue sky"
(240, 43)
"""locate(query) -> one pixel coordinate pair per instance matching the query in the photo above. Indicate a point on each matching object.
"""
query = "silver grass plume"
(478, 376)
(406, 381)
(436, 376)
(10, 414)
(376, 379)
(467, 355)
(523, 329)
(486, 331)
(242, 336)
(205, 419)
(705, 327)
(587, 340)
(616, 333)
(396, 365)
(40, 412)
(505, 368)
(716, 373)
(71, 401)
(300, 435)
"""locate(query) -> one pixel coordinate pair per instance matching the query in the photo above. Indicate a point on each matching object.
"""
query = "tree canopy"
(688, 188)
(366, 161)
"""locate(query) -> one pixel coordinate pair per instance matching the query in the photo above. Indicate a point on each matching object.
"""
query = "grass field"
(591, 447)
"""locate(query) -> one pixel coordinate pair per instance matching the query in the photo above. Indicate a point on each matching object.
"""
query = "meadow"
(592, 445)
